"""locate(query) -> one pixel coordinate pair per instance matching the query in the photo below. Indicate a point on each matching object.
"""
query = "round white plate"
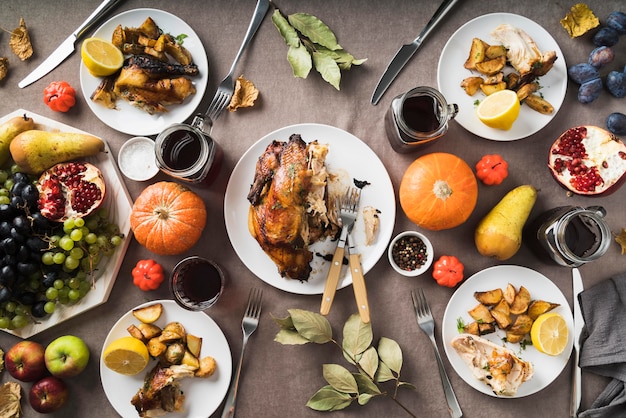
(202, 395)
(127, 118)
(547, 368)
(451, 72)
(348, 158)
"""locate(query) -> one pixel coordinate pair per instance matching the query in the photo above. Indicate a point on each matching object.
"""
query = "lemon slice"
(101, 57)
(126, 355)
(549, 334)
(499, 110)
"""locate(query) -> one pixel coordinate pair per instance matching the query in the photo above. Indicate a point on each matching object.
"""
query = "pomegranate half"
(70, 190)
(588, 160)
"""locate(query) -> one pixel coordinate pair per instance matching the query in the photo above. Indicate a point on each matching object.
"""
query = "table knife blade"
(68, 46)
(407, 51)
(577, 288)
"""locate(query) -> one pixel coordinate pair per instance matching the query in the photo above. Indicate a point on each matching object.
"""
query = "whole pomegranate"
(588, 160)
(70, 190)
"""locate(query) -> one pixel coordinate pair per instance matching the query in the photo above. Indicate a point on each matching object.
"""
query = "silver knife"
(577, 287)
(68, 46)
(405, 53)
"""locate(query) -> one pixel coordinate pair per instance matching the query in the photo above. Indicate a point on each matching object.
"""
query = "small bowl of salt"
(137, 160)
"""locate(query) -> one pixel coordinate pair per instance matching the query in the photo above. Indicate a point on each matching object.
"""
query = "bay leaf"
(369, 362)
(284, 323)
(290, 337)
(366, 385)
(328, 399)
(314, 29)
(312, 326)
(339, 378)
(343, 58)
(300, 61)
(384, 373)
(357, 336)
(390, 353)
(364, 398)
(328, 68)
(407, 385)
(287, 31)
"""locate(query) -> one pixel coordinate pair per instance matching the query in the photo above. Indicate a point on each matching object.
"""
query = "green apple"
(67, 356)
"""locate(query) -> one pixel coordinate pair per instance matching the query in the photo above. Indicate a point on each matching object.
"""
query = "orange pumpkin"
(438, 191)
(168, 218)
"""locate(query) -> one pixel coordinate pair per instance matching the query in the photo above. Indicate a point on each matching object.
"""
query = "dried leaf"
(20, 42)
(300, 61)
(369, 362)
(287, 31)
(312, 326)
(1, 360)
(366, 386)
(290, 337)
(314, 29)
(328, 68)
(4, 67)
(10, 397)
(390, 353)
(328, 399)
(244, 95)
(357, 336)
(339, 378)
(579, 20)
(621, 240)
(384, 373)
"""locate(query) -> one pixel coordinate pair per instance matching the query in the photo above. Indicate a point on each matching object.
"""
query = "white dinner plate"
(348, 158)
(127, 118)
(119, 204)
(202, 395)
(451, 72)
(547, 368)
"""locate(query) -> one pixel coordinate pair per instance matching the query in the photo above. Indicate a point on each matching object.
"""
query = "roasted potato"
(512, 81)
(481, 314)
(521, 301)
(492, 88)
(527, 89)
(190, 360)
(489, 297)
(471, 84)
(156, 347)
(539, 307)
(471, 328)
(172, 332)
(538, 103)
(502, 319)
(149, 331)
(477, 53)
(207, 367)
(174, 353)
(484, 329)
(514, 338)
(148, 314)
(509, 293)
(135, 332)
(492, 66)
(194, 344)
(495, 51)
(522, 325)
(503, 307)
(495, 78)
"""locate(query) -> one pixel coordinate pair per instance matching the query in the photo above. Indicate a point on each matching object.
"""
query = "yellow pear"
(499, 233)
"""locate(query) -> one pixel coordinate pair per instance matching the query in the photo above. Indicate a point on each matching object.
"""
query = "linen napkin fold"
(603, 344)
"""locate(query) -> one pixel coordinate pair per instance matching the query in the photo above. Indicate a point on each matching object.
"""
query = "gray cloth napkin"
(603, 344)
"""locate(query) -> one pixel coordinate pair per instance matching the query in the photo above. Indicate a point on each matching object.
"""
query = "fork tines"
(253, 309)
(420, 303)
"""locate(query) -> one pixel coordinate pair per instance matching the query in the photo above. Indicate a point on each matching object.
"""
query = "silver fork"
(249, 324)
(427, 324)
(225, 90)
(348, 206)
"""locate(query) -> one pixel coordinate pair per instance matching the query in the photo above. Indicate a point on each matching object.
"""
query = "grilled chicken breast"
(495, 365)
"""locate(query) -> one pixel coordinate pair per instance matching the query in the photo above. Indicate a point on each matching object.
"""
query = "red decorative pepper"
(448, 271)
(148, 275)
(492, 169)
(59, 96)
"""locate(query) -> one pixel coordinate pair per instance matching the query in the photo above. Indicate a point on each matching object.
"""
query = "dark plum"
(590, 91)
(617, 21)
(616, 83)
(605, 37)
(601, 56)
(616, 123)
(583, 72)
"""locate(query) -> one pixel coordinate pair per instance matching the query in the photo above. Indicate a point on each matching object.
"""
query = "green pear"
(35, 151)
(499, 233)
(9, 130)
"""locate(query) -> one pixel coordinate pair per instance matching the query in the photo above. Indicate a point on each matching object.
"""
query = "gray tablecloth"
(278, 380)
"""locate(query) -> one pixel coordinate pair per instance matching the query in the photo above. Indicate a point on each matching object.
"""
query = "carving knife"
(577, 287)
(407, 51)
(69, 45)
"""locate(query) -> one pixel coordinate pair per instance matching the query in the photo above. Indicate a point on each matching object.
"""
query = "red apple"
(48, 394)
(67, 356)
(25, 361)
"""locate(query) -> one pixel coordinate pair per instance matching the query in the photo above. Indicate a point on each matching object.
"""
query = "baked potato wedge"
(194, 344)
(522, 325)
(489, 297)
(495, 51)
(492, 66)
(472, 84)
(149, 331)
(527, 89)
(539, 307)
(514, 338)
(135, 332)
(172, 332)
(476, 54)
(190, 360)
(538, 103)
(484, 329)
(471, 328)
(509, 293)
(481, 314)
(521, 301)
(149, 314)
(502, 319)
(156, 347)
(492, 88)
(207, 367)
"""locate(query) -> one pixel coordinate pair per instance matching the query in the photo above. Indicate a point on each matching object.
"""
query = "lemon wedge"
(499, 110)
(101, 57)
(126, 355)
(549, 334)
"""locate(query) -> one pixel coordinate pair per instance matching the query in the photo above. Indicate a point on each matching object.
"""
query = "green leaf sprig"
(374, 365)
(313, 44)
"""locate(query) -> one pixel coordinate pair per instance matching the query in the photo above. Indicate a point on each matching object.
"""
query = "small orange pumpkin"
(168, 218)
(438, 191)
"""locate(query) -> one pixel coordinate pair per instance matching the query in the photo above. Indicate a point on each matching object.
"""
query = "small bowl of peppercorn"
(410, 253)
